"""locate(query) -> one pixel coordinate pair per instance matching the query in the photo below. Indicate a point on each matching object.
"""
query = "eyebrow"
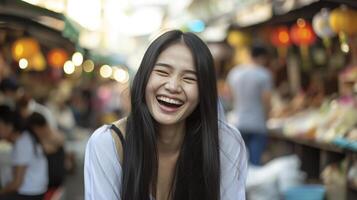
(170, 67)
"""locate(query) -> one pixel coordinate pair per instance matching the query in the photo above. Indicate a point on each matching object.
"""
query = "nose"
(173, 85)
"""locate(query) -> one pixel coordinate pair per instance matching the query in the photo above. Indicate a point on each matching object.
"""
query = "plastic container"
(305, 192)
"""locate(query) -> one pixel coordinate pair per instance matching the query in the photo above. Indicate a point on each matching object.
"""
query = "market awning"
(287, 11)
(51, 28)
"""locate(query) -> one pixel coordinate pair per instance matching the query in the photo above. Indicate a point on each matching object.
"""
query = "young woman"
(53, 145)
(173, 146)
(29, 181)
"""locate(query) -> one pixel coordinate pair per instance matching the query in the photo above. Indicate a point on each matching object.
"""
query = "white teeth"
(169, 100)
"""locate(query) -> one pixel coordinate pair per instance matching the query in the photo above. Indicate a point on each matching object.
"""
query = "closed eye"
(189, 79)
(161, 72)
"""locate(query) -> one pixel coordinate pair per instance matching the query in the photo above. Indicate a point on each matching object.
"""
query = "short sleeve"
(102, 170)
(267, 81)
(231, 77)
(234, 164)
(23, 150)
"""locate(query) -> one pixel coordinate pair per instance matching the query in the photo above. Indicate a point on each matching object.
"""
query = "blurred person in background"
(30, 169)
(52, 143)
(173, 144)
(8, 92)
(26, 105)
(58, 105)
(250, 87)
(82, 107)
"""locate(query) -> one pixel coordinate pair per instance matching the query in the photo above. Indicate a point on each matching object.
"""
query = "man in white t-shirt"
(30, 170)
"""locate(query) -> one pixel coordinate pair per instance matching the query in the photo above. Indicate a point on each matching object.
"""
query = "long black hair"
(197, 173)
(18, 123)
(12, 117)
(35, 120)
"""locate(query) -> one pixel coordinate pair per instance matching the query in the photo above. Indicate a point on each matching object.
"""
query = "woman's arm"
(51, 140)
(234, 163)
(16, 182)
(102, 171)
(21, 156)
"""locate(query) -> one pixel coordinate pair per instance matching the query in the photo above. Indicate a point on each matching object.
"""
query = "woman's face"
(172, 90)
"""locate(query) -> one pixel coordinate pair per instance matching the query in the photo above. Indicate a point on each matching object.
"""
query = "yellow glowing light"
(25, 48)
(105, 71)
(121, 75)
(77, 58)
(19, 49)
(68, 67)
(88, 66)
(23, 63)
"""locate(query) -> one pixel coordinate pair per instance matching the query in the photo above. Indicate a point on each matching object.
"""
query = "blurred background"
(74, 60)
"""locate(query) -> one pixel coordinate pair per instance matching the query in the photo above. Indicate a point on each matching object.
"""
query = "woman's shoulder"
(234, 163)
(233, 155)
(231, 142)
(101, 140)
(102, 170)
(100, 134)
(229, 134)
(24, 139)
(103, 133)
(121, 124)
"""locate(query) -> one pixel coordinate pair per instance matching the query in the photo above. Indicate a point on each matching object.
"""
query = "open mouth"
(168, 102)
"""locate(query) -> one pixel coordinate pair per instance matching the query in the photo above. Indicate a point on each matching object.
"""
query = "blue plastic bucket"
(305, 192)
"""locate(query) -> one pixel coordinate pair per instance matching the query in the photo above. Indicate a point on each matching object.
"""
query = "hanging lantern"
(240, 42)
(57, 57)
(279, 37)
(238, 39)
(301, 33)
(321, 24)
(37, 62)
(322, 28)
(25, 48)
(343, 19)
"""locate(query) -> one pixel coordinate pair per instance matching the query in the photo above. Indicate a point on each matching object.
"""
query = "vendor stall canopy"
(36, 38)
(53, 29)
(103, 28)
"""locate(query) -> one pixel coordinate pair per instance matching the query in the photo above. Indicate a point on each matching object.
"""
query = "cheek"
(152, 85)
(193, 94)
(149, 93)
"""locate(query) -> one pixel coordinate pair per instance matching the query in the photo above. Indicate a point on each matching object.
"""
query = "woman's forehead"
(177, 53)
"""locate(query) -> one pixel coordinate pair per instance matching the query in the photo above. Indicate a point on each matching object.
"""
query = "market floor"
(74, 185)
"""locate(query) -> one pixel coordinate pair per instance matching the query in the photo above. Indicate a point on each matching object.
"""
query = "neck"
(253, 63)
(170, 139)
(14, 136)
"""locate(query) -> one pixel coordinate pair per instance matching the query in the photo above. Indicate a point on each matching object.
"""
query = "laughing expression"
(172, 90)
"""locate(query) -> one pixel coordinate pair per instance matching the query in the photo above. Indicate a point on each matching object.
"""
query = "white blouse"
(103, 172)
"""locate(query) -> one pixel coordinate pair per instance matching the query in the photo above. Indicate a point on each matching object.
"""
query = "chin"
(167, 120)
